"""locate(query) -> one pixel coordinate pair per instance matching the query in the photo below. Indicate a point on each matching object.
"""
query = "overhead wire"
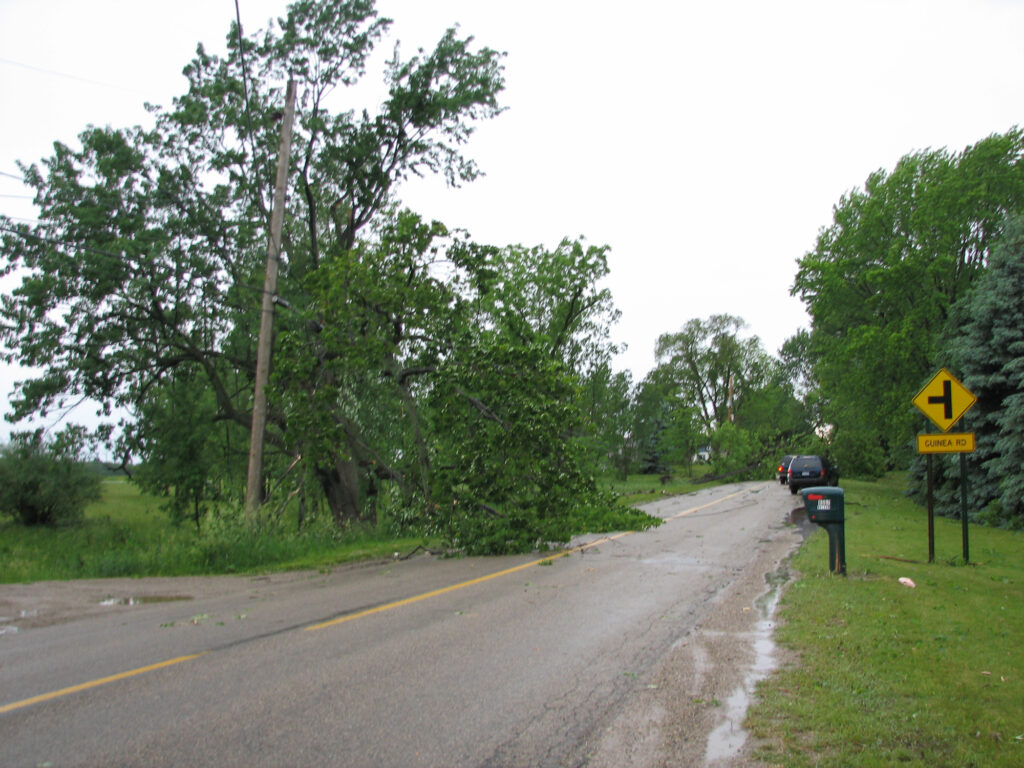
(65, 75)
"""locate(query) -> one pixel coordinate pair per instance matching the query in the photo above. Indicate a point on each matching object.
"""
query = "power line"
(65, 75)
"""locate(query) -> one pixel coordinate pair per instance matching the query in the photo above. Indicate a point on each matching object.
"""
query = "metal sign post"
(945, 400)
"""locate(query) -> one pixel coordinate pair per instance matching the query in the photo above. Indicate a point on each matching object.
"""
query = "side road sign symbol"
(944, 400)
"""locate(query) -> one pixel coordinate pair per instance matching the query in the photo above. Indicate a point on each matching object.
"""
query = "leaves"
(145, 272)
(882, 278)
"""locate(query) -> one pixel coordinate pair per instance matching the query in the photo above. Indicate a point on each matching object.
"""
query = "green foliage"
(152, 246)
(708, 364)
(882, 278)
(985, 345)
(152, 242)
(891, 675)
(710, 387)
(740, 454)
(512, 476)
(122, 536)
(550, 297)
(45, 482)
(379, 323)
(430, 385)
(607, 401)
(189, 456)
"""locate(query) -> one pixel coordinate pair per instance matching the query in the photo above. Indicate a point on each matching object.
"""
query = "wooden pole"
(254, 482)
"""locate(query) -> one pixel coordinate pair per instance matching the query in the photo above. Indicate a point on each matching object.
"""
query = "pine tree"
(987, 346)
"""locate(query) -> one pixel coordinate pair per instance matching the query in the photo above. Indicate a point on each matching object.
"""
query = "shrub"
(43, 482)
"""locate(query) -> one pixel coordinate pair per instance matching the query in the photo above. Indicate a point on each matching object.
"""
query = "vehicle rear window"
(808, 462)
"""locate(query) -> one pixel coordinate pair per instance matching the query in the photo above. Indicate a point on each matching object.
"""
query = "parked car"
(808, 471)
(784, 469)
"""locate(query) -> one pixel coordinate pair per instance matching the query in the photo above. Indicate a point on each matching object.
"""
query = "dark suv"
(808, 471)
(784, 468)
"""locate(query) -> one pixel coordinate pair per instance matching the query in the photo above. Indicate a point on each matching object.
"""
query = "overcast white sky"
(705, 142)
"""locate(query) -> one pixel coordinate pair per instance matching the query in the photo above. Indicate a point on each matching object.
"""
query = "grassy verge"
(126, 534)
(638, 489)
(892, 675)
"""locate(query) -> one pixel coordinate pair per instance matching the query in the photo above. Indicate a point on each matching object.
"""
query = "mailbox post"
(826, 507)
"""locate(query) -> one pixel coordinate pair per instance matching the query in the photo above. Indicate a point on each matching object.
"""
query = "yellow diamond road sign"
(944, 400)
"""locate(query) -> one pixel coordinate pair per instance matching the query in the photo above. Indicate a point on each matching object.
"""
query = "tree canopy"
(985, 344)
(720, 390)
(141, 286)
(882, 278)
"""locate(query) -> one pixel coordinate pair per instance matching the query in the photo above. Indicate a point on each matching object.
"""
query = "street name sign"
(944, 400)
(950, 442)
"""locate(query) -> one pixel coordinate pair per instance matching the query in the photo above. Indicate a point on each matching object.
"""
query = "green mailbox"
(824, 504)
(826, 507)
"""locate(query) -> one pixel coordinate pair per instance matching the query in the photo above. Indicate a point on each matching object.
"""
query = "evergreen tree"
(986, 346)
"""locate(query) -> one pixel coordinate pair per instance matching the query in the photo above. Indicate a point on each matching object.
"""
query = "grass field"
(892, 675)
(640, 489)
(126, 534)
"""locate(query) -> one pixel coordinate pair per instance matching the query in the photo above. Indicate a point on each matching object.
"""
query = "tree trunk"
(340, 484)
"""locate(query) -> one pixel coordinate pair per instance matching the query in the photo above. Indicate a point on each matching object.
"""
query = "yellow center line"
(497, 574)
(462, 584)
(96, 683)
(691, 510)
(353, 616)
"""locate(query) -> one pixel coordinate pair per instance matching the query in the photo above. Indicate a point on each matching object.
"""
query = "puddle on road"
(144, 600)
(727, 739)
(798, 517)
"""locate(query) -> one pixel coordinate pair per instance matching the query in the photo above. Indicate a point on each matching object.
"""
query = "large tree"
(711, 366)
(431, 389)
(882, 278)
(145, 269)
(716, 388)
(985, 346)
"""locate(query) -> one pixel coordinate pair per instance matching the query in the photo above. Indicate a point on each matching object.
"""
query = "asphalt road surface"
(633, 649)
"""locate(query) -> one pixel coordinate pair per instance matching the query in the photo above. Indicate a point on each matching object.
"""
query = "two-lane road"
(601, 656)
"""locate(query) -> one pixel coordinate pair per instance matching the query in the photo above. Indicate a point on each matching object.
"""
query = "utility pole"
(254, 484)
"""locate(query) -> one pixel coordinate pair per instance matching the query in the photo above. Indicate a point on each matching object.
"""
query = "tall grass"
(931, 675)
(126, 534)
